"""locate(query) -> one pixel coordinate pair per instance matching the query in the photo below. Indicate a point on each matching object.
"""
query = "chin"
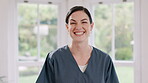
(80, 40)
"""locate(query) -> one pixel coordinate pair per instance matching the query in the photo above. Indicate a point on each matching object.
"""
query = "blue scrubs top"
(61, 67)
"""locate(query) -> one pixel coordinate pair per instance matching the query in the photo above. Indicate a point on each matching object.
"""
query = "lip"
(79, 33)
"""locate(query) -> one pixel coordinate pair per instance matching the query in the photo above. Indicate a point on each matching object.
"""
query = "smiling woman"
(79, 26)
(78, 62)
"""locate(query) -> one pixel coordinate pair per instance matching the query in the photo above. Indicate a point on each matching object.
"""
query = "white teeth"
(80, 33)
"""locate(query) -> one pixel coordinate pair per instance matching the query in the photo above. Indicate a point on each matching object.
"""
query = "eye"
(84, 22)
(72, 23)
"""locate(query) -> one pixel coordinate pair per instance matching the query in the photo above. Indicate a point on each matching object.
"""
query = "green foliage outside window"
(28, 19)
(123, 29)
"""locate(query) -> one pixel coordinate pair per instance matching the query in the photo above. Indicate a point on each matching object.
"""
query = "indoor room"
(31, 29)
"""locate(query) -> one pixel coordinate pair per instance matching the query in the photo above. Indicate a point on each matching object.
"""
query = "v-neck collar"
(75, 63)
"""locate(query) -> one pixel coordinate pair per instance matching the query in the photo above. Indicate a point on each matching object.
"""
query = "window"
(114, 23)
(37, 27)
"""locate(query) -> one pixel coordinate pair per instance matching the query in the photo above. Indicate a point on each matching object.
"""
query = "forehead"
(78, 15)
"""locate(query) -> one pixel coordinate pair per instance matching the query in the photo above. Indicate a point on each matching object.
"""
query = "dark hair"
(78, 8)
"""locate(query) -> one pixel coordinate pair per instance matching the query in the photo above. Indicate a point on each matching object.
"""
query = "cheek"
(87, 27)
(70, 29)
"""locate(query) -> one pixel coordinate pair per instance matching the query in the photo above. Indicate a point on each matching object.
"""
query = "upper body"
(62, 65)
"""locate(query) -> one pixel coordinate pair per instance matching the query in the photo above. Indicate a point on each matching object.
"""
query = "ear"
(67, 27)
(92, 26)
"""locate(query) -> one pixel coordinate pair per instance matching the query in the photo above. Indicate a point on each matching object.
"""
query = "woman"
(78, 62)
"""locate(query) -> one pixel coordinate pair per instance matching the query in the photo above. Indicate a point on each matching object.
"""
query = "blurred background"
(32, 28)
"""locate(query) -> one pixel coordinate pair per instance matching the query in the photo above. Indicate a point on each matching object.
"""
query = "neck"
(80, 48)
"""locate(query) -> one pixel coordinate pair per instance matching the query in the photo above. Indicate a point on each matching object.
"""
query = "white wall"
(3, 39)
(144, 40)
(8, 41)
(141, 67)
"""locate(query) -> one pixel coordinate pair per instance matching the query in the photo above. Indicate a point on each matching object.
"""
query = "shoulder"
(58, 52)
(100, 54)
(103, 57)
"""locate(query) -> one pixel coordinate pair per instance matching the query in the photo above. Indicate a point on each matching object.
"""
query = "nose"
(79, 26)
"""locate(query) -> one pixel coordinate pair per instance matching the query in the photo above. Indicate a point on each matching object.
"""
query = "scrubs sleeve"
(110, 76)
(47, 72)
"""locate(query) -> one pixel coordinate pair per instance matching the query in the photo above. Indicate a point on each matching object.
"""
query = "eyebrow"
(72, 20)
(84, 19)
(81, 20)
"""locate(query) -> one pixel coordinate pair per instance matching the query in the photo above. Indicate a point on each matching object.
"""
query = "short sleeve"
(47, 73)
(111, 76)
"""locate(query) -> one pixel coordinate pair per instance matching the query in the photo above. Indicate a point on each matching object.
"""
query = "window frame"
(120, 63)
(39, 62)
(136, 52)
(60, 23)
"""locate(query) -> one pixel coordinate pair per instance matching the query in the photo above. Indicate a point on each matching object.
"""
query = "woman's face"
(79, 26)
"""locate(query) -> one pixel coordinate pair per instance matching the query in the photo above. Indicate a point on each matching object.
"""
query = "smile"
(79, 33)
